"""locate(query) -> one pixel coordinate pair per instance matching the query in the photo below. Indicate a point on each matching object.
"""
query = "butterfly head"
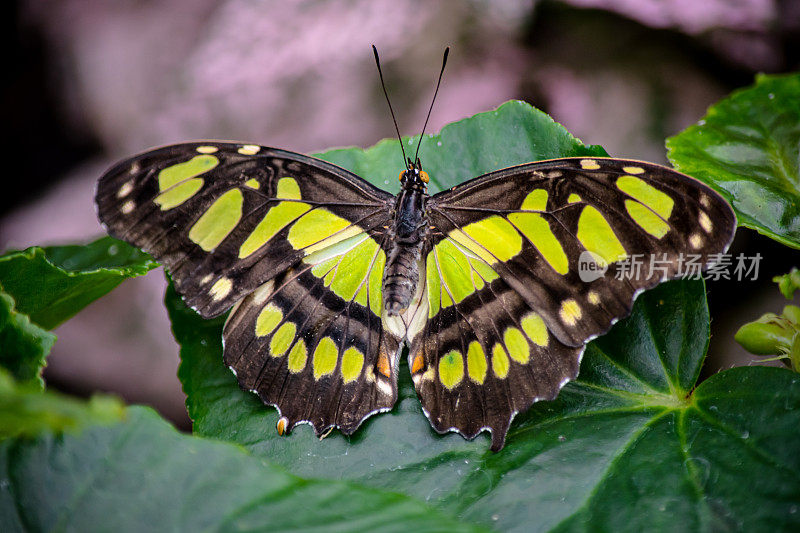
(413, 177)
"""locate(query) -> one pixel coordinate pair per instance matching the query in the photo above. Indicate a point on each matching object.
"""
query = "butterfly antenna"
(444, 62)
(383, 85)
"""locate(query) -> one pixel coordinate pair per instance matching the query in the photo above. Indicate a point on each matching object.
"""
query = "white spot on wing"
(249, 149)
(384, 387)
(705, 222)
(127, 207)
(633, 170)
(125, 190)
(221, 288)
(262, 293)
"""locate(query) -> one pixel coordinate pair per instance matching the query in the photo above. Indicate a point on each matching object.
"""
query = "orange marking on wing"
(281, 425)
(419, 362)
(383, 365)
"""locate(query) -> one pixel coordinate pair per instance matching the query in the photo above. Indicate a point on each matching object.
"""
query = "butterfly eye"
(424, 176)
(403, 173)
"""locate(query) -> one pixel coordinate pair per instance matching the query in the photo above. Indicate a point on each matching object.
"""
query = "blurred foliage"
(27, 411)
(788, 283)
(52, 284)
(23, 344)
(142, 475)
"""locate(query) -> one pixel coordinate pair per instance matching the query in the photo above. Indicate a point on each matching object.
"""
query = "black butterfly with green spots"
(328, 277)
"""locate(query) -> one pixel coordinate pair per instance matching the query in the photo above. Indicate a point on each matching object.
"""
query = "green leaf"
(747, 147)
(27, 411)
(52, 284)
(23, 345)
(627, 441)
(512, 134)
(144, 475)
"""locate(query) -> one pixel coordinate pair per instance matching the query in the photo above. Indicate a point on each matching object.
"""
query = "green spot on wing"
(175, 174)
(434, 284)
(451, 369)
(656, 200)
(288, 189)
(298, 355)
(325, 356)
(351, 274)
(476, 362)
(268, 319)
(282, 339)
(535, 201)
(597, 236)
(536, 229)
(533, 326)
(277, 218)
(352, 362)
(517, 345)
(646, 219)
(175, 196)
(455, 270)
(218, 221)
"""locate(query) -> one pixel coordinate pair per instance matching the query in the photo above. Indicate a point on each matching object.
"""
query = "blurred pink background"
(95, 81)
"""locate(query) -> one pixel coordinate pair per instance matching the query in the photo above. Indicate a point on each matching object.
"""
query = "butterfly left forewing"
(226, 217)
(503, 273)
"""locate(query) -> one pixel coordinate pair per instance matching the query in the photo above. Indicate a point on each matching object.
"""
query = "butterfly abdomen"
(407, 237)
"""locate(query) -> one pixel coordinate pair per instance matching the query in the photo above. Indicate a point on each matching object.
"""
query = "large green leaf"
(512, 134)
(142, 475)
(748, 148)
(51, 284)
(630, 445)
(23, 344)
(26, 410)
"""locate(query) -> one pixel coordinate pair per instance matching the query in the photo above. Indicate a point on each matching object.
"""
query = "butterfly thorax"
(406, 238)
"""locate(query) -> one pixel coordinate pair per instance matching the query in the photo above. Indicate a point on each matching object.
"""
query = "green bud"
(762, 338)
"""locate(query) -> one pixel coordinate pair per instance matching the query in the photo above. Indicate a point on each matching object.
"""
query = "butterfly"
(328, 277)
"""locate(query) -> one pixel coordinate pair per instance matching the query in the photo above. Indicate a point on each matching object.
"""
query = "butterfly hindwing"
(503, 286)
(310, 342)
(481, 360)
(225, 217)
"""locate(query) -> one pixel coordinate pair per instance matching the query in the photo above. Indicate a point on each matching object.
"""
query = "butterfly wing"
(508, 308)
(297, 242)
(224, 218)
